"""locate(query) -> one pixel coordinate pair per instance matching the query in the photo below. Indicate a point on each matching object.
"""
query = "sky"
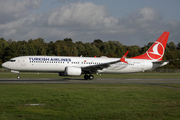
(131, 22)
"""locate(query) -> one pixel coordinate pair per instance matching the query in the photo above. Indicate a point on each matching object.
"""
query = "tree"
(11, 51)
(94, 51)
(22, 47)
(120, 49)
(146, 47)
(57, 47)
(71, 47)
(178, 46)
(112, 46)
(40, 46)
(106, 49)
(98, 43)
(3, 46)
(50, 48)
(81, 49)
(68, 40)
(10, 41)
(171, 46)
(134, 51)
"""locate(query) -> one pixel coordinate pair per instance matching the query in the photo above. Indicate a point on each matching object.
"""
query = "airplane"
(76, 66)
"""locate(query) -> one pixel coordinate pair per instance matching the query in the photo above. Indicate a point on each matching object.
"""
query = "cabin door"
(23, 62)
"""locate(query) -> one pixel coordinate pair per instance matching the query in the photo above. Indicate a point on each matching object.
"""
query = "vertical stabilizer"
(156, 51)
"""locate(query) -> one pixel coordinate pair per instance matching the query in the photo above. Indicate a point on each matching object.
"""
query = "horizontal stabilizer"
(161, 63)
(165, 61)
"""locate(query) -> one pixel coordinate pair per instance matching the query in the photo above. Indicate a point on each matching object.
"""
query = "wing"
(94, 68)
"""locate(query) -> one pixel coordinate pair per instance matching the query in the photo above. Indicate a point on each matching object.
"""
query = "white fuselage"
(59, 63)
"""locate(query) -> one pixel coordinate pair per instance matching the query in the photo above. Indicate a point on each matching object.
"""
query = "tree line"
(66, 47)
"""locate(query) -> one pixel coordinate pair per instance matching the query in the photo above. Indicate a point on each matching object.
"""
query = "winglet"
(124, 57)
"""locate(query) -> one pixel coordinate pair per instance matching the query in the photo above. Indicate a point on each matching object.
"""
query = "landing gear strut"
(90, 77)
(18, 76)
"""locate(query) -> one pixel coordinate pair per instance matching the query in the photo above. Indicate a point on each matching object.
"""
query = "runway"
(94, 81)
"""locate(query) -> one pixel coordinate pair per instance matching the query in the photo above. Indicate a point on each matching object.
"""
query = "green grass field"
(89, 101)
(55, 75)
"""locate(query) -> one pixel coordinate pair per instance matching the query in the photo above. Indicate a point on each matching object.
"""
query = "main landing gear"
(88, 77)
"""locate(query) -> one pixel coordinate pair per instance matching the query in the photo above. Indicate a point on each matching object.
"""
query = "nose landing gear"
(90, 77)
(18, 76)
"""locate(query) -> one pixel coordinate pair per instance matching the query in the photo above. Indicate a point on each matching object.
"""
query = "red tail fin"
(156, 51)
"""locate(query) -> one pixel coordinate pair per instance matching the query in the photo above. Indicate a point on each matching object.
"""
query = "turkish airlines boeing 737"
(76, 66)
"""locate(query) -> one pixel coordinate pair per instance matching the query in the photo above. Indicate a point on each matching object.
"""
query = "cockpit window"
(13, 60)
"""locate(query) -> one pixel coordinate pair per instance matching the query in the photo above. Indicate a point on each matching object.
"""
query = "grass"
(55, 75)
(89, 101)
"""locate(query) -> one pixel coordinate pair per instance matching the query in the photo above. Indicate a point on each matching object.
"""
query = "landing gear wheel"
(86, 77)
(91, 77)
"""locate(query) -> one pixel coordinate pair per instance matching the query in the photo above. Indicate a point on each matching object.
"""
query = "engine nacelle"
(71, 71)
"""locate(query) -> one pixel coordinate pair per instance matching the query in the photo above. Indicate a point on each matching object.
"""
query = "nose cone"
(5, 65)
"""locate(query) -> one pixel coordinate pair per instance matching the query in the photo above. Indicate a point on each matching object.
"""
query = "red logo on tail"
(156, 51)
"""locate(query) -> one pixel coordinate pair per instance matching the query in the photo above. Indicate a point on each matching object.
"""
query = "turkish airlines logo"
(156, 52)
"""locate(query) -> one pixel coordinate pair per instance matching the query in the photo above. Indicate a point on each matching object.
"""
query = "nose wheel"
(88, 77)
(18, 76)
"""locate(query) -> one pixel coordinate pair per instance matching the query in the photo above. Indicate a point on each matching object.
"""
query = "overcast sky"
(131, 22)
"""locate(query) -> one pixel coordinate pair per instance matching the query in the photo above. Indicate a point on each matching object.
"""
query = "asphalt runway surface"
(94, 81)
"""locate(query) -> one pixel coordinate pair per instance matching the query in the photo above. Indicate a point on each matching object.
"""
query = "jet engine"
(71, 71)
